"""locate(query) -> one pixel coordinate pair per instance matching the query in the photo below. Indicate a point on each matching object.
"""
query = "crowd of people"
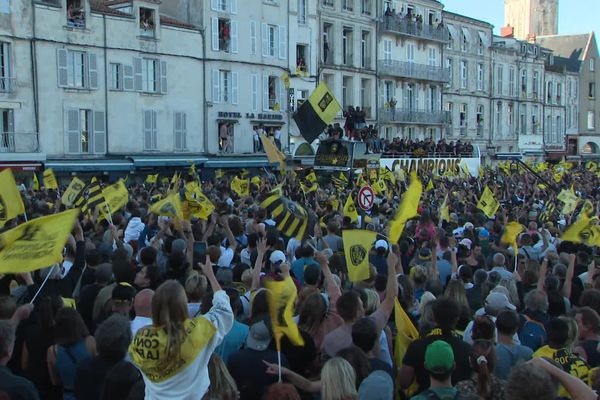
(131, 313)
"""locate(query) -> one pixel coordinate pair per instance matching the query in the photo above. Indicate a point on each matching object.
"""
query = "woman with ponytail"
(483, 383)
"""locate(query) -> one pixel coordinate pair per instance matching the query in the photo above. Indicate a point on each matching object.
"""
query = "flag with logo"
(350, 209)
(291, 219)
(198, 205)
(585, 230)
(407, 208)
(313, 116)
(116, 196)
(49, 179)
(281, 297)
(380, 187)
(312, 177)
(512, 230)
(591, 166)
(95, 197)
(387, 175)
(36, 244)
(240, 186)
(170, 206)
(152, 178)
(548, 212)
(73, 191)
(11, 203)
(306, 189)
(273, 153)
(488, 203)
(357, 244)
(570, 200)
(36, 183)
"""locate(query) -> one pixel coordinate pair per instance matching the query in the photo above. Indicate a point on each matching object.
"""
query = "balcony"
(19, 142)
(403, 26)
(405, 69)
(411, 116)
(7, 85)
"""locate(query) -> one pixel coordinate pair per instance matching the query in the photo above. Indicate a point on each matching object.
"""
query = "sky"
(574, 16)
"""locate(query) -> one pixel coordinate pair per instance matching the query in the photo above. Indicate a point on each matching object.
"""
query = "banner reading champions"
(437, 166)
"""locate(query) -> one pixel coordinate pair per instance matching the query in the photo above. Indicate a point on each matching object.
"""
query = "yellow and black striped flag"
(290, 218)
(314, 115)
(95, 196)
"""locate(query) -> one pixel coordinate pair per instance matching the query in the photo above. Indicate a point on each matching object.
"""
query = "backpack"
(532, 334)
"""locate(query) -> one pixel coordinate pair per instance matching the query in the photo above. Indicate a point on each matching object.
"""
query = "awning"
(21, 166)
(482, 36)
(467, 34)
(238, 163)
(166, 161)
(99, 165)
(452, 30)
(267, 122)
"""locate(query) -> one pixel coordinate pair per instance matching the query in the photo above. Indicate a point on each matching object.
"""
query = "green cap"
(439, 358)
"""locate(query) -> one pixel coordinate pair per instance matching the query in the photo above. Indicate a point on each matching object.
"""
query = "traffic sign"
(366, 196)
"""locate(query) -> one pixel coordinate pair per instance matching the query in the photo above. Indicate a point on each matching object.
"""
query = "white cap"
(277, 256)
(467, 243)
(468, 225)
(381, 243)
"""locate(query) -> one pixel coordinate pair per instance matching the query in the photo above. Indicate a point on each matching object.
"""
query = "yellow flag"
(379, 187)
(342, 177)
(281, 297)
(570, 200)
(240, 186)
(50, 180)
(407, 208)
(256, 180)
(487, 203)
(273, 153)
(75, 188)
(387, 175)
(587, 208)
(429, 185)
(407, 333)
(444, 210)
(591, 166)
(169, 206)
(291, 219)
(357, 244)
(350, 209)
(312, 177)
(36, 244)
(11, 203)
(152, 178)
(401, 175)
(116, 196)
(199, 206)
(36, 183)
(585, 230)
(512, 230)
(308, 189)
(373, 175)
(219, 173)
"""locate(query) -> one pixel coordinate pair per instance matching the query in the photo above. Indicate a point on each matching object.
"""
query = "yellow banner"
(240, 186)
(281, 297)
(36, 183)
(36, 244)
(350, 209)
(11, 203)
(357, 244)
(488, 203)
(198, 205)
(170, 206)
(407, 208)
(74, 189)
(116, 197)
(152, 178)
(512, 230)
(50, 180)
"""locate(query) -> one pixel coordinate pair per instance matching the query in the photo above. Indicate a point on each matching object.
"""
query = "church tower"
(530, 18)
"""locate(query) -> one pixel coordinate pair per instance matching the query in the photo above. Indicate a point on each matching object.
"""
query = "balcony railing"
(424, 117)
(19, 142)
(405, 69)
(421, 30)
(7, 85)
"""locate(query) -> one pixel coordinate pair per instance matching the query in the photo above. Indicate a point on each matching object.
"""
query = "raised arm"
(296, 379)
(261, 249)
(391, 288)
(224, 221)
(333, 291)
(543, 271)
(566, 290)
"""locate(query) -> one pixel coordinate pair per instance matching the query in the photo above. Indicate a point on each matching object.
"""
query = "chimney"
(507, 31)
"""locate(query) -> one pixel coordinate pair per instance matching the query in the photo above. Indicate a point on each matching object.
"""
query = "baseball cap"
(498, 301)
(484, 233)
(259, 337)
(277, 257)
(123, 291)
(381, 243)
(468, 226)
(467, 243)
(439, 357)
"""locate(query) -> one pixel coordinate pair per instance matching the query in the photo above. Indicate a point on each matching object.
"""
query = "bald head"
(142, 303)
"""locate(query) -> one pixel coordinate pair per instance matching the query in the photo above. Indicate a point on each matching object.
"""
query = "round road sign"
(366, 196)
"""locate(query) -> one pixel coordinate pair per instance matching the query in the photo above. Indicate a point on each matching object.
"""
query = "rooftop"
(570, 49)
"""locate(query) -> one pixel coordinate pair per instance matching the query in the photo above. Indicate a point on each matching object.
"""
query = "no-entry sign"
(365, 198)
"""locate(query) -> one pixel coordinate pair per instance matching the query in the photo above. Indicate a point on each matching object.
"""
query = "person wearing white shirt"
(142, 304)
(499, 262)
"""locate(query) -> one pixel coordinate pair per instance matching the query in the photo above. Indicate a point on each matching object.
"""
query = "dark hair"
(507, 322)
(589, 319)
(154, 275)
(123, 381)
(122, 271)
(93, 257)
(347, 305)
(358, 360)
(590, 298)
(445, 313)
(483, 362)
(364, 334)
(69, 327)
(148, 255)
(558, 333)
(260, 307)
(483, 328)
(312, 275)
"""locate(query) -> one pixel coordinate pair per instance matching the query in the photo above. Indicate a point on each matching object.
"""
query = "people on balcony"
(75, 14)
(146, 21)
(301, 66)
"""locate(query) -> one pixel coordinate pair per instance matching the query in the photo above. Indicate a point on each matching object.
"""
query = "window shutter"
(163, 77)
(177, 130)
(137, 73)
(234, 88)
(254, 90)
(282, 42)
(214, 27)
(92, 71)
(233, 6)
(282, 94)
(265, 92)
(214, 4)
(73, 130)
(183, 120)
(215, 86)
(428, 103)
(61, 61)
(265, 39)
(252, 37)
(127, 77)
(99, 132)
(154, 129)
(147, 121)
(234, 36)
(120, 75)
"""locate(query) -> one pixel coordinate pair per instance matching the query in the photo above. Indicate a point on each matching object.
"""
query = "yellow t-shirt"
(568, 361)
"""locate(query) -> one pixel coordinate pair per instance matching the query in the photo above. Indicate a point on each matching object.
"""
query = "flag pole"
(43, 284)
(279, 364)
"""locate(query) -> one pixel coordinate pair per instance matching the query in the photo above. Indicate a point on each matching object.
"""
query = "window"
(254, 91)
(499, 80)
(549, 128)
(224, 34)
(450, 44)
(388, 92)
(450, 71)
(464, 44)
(523, 119)
(591, 121)
(463, 74)
(432, 103)
(274, 93)
(365, 91)
(224, 6)
(410, 97)
(347, 5)
(328, 3)
(463, 115)
(592, 90)
(549, 97)
(432, 59)
(147, 25)
(592, 64)
(523, 82)
(116, 76)
(347, 45)
(75, 14)
(479, 119)
(180, 131)
(85, 131)
(225, 86)
(77, 69)
(365, 58)
(511, 118)
(559, 94)
(7, 129)
(449, 107)
(387, 50)
(150, 78)
(481, 44)
(410, 53)
(536, 82)
(568, 115)
(534, 118)
(499, 118)
(347, 90)
(150, 130)
(274, 41)
(301, 57)
(558, 128)
(480, 77)
(302, 12)
(327, 43)
(511, 81)
(366, 7)
(4, 6)
(253, 37)
(5, 72)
